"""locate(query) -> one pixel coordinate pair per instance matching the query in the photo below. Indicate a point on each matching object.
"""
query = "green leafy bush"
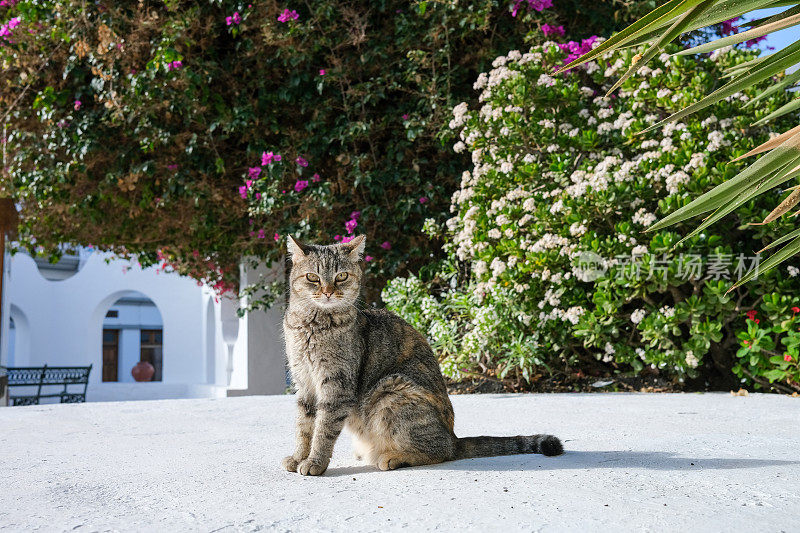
(762, 359)
(132, 125)
(549, 268)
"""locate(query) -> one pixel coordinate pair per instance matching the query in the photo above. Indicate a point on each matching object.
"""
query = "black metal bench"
(39, 377)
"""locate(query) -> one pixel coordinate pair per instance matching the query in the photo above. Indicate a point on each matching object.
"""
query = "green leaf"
(774, 375)
(725, 192)
(787, 237)
(744, 36)
(766, 20)
(659, 17)
(786, 173)
(676, 29)
(784, 109)
(776, 63)
(723, 10)
(774, 260)
(790, 79)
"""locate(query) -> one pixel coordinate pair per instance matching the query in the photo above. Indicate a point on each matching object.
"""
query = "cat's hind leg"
(406, 425)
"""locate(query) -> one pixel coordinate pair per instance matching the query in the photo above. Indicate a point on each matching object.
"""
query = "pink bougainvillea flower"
(574, 49)
(243, 192)
(350, 225)
(345, 240)
(787, 357)
(261, 234)
(276, 157)
(302, 162)
(253, 172)
(300, 185)
(536, 5)
(729, 27)
(173, 167)
(236, 18)
(386, 245)
(423, 200)
(175, 65)
(315, 178)
(266, 158)
(322, 72)
(549, 30)
(287, 15)
(750, 43)
(277, 237)
(367, 258)
(405, 117)
(337, 238)
(258, 196)
(5, 29)
(355, 214)
(77, 105)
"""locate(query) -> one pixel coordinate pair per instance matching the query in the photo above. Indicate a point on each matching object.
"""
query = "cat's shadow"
(583, 460)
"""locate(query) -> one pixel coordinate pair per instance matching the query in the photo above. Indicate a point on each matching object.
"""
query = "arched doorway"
(133, 331)
(19, 340)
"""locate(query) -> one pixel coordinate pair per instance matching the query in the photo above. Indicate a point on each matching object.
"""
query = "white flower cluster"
(555, 177)
(638, 315)
(643, 217)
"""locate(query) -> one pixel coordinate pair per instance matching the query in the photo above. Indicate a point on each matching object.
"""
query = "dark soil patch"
(481, 385)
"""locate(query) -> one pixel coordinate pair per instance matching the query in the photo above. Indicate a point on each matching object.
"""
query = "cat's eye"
(341, 276)
(313, 278)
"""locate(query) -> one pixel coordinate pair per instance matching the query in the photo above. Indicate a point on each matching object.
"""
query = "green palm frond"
(780, 161)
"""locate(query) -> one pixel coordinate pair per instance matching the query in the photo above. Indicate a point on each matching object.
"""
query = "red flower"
(795, 310)
(752, 315)
(787, 357)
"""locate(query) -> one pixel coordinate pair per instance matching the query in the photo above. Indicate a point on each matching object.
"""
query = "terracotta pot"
(143, 371)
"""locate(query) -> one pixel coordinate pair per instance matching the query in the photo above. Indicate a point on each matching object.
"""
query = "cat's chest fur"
(318, 343)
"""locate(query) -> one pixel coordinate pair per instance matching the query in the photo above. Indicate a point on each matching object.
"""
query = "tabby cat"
(369, 369)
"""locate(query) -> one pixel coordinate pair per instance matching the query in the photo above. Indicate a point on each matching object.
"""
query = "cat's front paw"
(311, 467)
(290, 463)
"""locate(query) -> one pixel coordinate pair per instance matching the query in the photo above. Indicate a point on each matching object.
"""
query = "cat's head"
(328, 277)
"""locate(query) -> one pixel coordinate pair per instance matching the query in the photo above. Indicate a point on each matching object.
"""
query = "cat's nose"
(328, 293)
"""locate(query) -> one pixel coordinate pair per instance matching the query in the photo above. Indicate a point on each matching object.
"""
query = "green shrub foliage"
(134, 125)
(550, 269)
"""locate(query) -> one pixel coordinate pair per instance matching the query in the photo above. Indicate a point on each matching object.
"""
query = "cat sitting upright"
(371, 370)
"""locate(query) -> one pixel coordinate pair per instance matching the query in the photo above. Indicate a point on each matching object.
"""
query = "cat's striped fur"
(368, 369)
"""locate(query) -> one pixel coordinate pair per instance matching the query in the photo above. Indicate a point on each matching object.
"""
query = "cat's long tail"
(492, 446)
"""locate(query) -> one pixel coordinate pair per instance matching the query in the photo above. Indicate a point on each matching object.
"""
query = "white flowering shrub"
(549, 267)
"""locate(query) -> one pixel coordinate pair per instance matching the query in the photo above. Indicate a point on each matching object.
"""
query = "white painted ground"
(659, 462)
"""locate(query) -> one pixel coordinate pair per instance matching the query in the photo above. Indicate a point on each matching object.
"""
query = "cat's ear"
(355, 248)
(296, 249)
